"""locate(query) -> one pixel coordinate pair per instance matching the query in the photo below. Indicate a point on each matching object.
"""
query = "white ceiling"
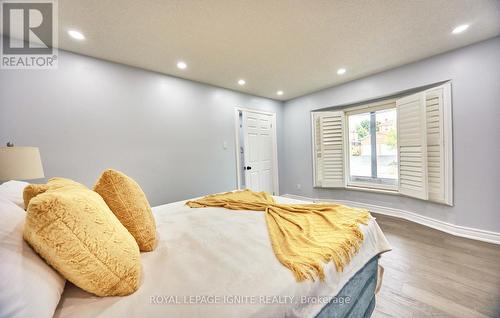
(290, 45)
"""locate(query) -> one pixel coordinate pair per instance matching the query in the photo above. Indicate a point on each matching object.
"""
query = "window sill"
(374, 190)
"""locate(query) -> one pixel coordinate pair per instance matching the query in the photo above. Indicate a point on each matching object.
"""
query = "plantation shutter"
(329, 149)
(412, 145)
(435, 144)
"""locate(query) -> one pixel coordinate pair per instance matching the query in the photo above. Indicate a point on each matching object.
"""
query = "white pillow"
(13, 191)
(28, 286)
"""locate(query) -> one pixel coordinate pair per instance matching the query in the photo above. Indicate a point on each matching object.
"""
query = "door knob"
(247, 168)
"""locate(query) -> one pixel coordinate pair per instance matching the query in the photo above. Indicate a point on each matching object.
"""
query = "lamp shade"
(20, 163)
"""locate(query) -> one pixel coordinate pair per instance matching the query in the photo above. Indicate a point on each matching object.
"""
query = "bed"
(214, 262)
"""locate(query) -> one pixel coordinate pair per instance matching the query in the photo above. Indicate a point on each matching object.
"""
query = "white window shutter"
(412, 146)
(318, 156)
(439, 144)
(329, 149)
(435, 144)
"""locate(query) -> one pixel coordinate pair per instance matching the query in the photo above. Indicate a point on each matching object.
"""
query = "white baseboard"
(457, 230)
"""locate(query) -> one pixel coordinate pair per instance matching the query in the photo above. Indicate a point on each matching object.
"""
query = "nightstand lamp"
(20, 163)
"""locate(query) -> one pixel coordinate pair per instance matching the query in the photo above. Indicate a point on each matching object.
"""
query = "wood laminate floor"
(433, 274)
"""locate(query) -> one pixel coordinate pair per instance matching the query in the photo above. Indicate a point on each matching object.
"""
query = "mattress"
(214, 262)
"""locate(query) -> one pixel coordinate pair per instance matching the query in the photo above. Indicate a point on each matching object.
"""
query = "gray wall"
(475, 75)
(168, 133)
(89, 115)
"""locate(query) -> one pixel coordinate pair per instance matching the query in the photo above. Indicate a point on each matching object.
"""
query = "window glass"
(373, 155)
(387, 151)
(360, 155)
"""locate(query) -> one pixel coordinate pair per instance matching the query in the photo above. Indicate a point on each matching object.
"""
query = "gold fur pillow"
(130, 205)
(31, 191)
(72, 228)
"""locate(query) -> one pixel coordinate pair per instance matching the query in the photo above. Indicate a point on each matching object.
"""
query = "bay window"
(399, 145)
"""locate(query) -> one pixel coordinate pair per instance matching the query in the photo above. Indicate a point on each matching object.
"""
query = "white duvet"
(214, 262)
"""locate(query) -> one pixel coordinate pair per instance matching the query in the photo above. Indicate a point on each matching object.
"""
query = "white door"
(258, 148)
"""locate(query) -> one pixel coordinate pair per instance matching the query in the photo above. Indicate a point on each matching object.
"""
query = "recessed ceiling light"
(242, 82)
(341, 71)
(76, 35)
(181, 65)
(460, 29)
(279, 93)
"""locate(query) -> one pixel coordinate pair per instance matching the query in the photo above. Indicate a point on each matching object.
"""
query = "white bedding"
(225, 258)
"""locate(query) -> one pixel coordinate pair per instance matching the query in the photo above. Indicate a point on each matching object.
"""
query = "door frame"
(237, 109)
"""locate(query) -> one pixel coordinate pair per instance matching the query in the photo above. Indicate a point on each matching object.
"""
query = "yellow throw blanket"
(303, 236)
